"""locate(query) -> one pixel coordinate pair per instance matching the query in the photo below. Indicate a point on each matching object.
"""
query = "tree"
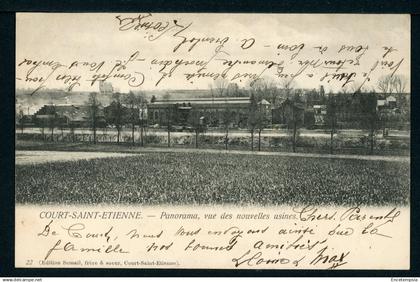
(73, 136)
(21, 119)
(293, 108)
(252, 118)
(142, 106)
(93, 109)
(169, 121)
(399, 83)
(272, 91)
(52, 121)
(256, 88)
(131, 101)
(331, 118)
(295, 118)
(322, 91)
(294, 124)
(116, 114)
(197, 122)
(226, 119)
(221, 85)
(169, 116)
(62, 126)
(369, 115)
(262, 121)
(257, 114)
(41, 122)
(384, 84)
(392, 84)
(288, 84)
(265, 88)
(232, 90)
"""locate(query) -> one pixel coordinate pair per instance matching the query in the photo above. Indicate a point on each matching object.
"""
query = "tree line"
(129, 109)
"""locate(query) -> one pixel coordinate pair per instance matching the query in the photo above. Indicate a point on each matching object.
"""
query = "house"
(381, 103)
(288, 112)
(391, 102)
(25, 120)
(68, 115)
(122, 114)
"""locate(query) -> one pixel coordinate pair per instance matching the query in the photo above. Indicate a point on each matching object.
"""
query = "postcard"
(212, 141)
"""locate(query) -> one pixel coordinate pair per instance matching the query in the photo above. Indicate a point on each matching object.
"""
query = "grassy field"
(38, 157)
(311, 145)
(202, 178)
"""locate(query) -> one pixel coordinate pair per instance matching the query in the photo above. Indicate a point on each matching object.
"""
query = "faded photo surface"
(224, 141)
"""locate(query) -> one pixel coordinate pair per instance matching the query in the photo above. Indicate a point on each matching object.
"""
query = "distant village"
(219, 107)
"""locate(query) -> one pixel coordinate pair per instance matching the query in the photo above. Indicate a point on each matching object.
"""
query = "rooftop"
(209, 101)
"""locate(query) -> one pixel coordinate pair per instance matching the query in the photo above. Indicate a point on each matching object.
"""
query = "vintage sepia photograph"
(179, 128)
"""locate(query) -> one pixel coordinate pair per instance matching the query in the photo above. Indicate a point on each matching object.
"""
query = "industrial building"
(214, 110)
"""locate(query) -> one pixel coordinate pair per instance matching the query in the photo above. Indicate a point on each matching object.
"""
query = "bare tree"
(131, 101)
(257, 120)
(392, 84)
(52, 120)
(370, 116)
(252, 118)
(62, 125)
(295, 118)
(288, 84)
(265, 88)
(72, 127)
(116, 114)
(198, 123)
(220, 85)
(295, 126)
(93, 108)
(262, 121)
(227, 119)
(385, 84)
(142, 106)
(332, 118)
(169, 116)
(42, 123)
(294, 108)
(20, 118)
(272, 90)
(232, 90)
(399, 83)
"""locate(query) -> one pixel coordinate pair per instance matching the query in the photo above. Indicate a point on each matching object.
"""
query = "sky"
(84, 37)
